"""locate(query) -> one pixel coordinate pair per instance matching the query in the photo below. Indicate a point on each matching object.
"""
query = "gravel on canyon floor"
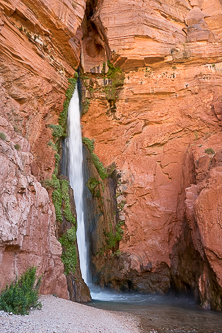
(61, 316)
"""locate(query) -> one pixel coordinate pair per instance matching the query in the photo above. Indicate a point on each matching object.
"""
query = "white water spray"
(76, 178)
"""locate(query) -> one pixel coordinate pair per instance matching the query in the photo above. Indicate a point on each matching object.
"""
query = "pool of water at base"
(159, 313)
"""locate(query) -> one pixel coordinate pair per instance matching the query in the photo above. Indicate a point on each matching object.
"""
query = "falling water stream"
(155, 311)
(76, 178)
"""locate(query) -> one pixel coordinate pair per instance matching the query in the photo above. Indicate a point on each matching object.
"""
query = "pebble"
(61, 316)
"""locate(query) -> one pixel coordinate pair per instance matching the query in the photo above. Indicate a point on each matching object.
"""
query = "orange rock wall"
(169, 106)
(167, 114)
(39, 50)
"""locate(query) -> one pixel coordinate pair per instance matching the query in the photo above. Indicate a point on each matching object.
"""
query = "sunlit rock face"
(142, 33)
(39, 50)
(168, 107)
(157, 130)
(27, 230)
(203, 211)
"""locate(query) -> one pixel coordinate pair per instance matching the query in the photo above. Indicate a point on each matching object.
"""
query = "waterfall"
(76, 178)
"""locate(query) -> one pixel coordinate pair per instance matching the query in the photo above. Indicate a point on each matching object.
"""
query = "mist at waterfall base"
(154, 310)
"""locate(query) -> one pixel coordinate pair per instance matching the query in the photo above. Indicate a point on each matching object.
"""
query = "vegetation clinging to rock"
(92, 185)
(17, 146)
(57, 130)
(85, 105)
(60, 194)
(52, 144)
(112, 238)
(89, 144)
(2, 136)
(69, 255)
(99, 166)
(65, 197)
(69, 93)
(116, 79)
(57, 201)
(209, 151)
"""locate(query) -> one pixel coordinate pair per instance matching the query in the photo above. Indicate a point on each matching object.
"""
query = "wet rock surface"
(77, 288)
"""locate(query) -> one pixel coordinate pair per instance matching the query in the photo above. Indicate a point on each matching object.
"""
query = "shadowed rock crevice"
(95, 46)
(100, 207)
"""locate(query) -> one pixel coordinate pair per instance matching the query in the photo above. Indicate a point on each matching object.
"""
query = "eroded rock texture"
(27, 230)
(39, 50)
(168, 108)
(160, 128)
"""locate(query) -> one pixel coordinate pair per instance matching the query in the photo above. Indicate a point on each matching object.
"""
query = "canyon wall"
(162, 130)
(155, 121)
(39, 50)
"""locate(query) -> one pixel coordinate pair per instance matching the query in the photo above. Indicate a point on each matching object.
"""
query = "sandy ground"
(61, 316)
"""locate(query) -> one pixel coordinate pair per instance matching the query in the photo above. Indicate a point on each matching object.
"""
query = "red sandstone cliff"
(39, 49)
(155, 129)
(156, 132)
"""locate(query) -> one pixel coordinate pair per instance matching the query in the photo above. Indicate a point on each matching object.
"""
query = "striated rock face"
(39, 49)
(203, 211)
(160, 128)
(169, 105)
(40, 46)
(27, 230)
(146, 32)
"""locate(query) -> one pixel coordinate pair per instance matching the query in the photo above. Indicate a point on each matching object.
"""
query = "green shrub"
(209, 151)
(2, 136)
(17, 147)
(113, 238)
(113, 71)
(69, 254)
(60, 196)
(21, 295)
(86, 105)
(117, 77)
(69, 93)
(89, 144)
(57, 201)
(57, 130)
(52, 144)
(57, 159)
(92, 186)
(99, 166)
(65, 197)
(53, 183)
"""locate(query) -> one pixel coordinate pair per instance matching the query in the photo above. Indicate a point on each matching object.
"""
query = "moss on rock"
(69, 255)
(99, 166)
